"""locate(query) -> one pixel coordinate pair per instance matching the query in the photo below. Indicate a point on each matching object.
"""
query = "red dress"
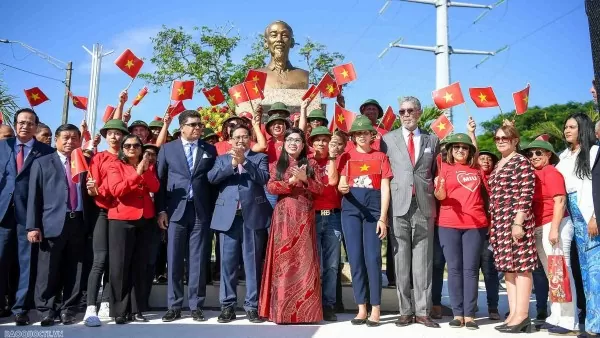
(290, 291)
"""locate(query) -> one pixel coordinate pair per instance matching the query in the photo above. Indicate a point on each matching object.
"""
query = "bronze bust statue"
(279, 39)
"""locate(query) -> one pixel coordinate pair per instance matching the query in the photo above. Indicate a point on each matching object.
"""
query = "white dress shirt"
(63, 160)
(416, 140)
(28, 146)
(194, 149)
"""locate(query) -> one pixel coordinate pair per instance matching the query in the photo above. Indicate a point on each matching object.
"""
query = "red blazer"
(131, 191)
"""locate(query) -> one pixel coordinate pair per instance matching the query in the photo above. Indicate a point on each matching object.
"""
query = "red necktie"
(411, 154)
(73, 200)
(20, 157)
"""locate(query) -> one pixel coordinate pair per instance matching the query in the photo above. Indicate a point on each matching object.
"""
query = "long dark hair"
(284, 159)
(122, 156)
(586, 139)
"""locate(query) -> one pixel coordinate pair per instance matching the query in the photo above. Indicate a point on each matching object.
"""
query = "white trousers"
(562, 314)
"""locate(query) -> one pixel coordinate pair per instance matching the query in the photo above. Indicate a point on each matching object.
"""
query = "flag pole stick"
(129, 85)
(501, 113)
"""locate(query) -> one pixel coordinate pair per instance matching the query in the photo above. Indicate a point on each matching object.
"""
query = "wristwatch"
(332, 158)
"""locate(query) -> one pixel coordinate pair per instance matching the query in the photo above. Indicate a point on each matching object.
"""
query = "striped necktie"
(189, 156)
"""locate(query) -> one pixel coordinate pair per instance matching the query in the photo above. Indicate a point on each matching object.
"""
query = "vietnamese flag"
(344, 73)
(343, 118)
(80, 102)
(140, 96)
(257, 76)
(182, 90)
(448, 97)
(388, 119)
(158, 118)
(214, 95)
(543, 137)
(521, 99)
(365, 167)
(108, 113)
(310, 93)
(238, 94)
(442, 127)
(328, 87)
(78, 164)
(483, 97)
(175, 109)
(129, 63)
(253, 90)
(35, 96)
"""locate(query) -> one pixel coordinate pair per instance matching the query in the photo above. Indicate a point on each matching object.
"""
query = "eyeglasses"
(532, 153)
(132, 146)
(194, 125)
(502, 139)
(241, 138)
(459, 147)
(25, 124)
(293, 140)
(404, 111)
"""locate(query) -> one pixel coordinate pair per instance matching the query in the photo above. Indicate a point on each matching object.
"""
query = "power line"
(544, 26)
(32, 73)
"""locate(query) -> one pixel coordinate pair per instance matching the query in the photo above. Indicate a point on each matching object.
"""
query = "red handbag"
(558, 278)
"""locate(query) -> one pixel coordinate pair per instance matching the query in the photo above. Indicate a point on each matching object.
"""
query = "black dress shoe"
(227, 315)
(171, 315)
(121, 320)
(425, 320)
(371, 323)
(253, 317)
(5, 313)
(198, 315)
(500, 327)
(524, 326)
(21, 319)
(358, 321)
(139, 317)
(405, 320)
(47, 321)
(67, 319)
(329, 314)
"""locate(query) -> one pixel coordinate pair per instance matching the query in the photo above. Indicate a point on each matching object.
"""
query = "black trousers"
(100, 262)
(60, 265)
(128, 256)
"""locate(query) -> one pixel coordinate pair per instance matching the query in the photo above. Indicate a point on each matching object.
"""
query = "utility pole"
(442, 49)
(65, 114)
(97, 56)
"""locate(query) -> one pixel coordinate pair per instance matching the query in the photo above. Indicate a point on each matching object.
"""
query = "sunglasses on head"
(532, 153)
(132, 146)
(502, 139)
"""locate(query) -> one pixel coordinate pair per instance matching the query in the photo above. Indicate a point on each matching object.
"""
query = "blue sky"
(556, 60)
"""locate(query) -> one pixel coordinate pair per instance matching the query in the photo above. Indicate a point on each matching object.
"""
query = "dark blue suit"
(189, 220)
(242, 232)
(61, 252)
(14, 188)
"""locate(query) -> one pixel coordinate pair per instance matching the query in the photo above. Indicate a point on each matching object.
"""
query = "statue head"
(279, 39)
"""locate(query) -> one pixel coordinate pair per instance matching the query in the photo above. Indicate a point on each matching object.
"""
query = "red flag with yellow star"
(78, 164)
(543, 137)
(388, 119)
(343, 118)
(140, 96)
(257, 76)
(182, 90)
(214, 95)
(175, 108)
(311, 93)
(344, 73)
(521, 99)
(442, 127)
(238, 94)
(365, 167)
(448, 97)
(108, 113)
(253, 90)
(129, 63)
(328, 87)
(35, 96)
(80, 102)
(483, 97)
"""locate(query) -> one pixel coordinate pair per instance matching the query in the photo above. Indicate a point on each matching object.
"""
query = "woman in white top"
(575, 166)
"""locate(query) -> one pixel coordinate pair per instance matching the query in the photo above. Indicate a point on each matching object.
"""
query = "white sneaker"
(90, 319)
(104, 312)
(89, 311)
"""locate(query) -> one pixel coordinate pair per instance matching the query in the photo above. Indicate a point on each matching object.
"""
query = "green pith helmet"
(151, 146)
(373, 102)
(318, 114)
(459, 138)
(362, 123)
(116, 125)
(176, 133)
(156, 124)
(138, 123)
(277, 117)
(320, 130)
(279, 108)
(489, 153)
(539, 144)
(207, 133)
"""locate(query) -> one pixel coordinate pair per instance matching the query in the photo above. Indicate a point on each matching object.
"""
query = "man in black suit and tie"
(16, 157)
(185, 203)
(56, 211)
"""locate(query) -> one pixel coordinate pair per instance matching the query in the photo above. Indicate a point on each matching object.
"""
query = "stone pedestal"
(292, 98)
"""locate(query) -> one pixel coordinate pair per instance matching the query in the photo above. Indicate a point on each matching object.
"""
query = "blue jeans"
(540, 284)
(329, 238)
(439, 262)
(490, 276)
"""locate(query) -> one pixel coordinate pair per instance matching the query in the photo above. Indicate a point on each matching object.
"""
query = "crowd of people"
(282, 198)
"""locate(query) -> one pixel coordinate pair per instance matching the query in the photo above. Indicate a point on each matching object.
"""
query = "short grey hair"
(412, 100)
(597, 126)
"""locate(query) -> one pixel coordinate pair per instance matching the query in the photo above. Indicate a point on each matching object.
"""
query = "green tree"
(318, 60)
(8, 103)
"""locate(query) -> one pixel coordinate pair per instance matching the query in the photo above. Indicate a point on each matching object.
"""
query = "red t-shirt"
(330, 197)
(224, 146)
(98, 170)
(549, 182)
(274, 150)
(376, 145)
(352, 159)
(463, 207)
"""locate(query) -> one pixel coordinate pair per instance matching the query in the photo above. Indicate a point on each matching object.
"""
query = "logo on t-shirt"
(470, 181)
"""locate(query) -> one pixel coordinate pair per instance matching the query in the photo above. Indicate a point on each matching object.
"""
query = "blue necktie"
(189, 155)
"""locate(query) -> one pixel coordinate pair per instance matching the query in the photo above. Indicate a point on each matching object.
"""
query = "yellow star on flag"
(448, 97)
(330, 88)
(340, 118)
(441, 126)
(211, 98)
(255, 89)
(129, 64)
(35, 97)
(139, 97)
(482, 97)
(345, 73)
(237, 95)
(364, 167)
(75, 101)
(181, 91)
(255, 78)
(526, 99)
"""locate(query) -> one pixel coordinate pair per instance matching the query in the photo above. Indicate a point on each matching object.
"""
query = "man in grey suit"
(412, 154)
